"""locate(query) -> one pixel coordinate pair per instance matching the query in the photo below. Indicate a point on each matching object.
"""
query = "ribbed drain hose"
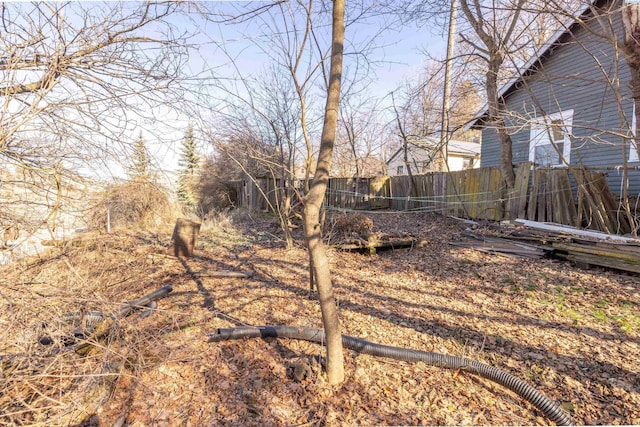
(549, 408)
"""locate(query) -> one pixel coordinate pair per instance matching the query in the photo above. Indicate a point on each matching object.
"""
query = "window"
(550, 136)
(467, 163)
(400, 170)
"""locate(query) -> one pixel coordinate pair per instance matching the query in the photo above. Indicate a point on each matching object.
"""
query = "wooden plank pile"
(596, 204)
(372, 246)
(492, 244)
(551, 198)
(584, 247)
(621, 256)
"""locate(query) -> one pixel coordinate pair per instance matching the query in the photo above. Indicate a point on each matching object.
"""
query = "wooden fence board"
(497, 195)
(518, 197)
(569, 200)
(379, 192)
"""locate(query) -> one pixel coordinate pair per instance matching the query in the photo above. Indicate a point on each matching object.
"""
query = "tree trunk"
(285, 213)
(313, 203)
(496, 120)
(496, 46)
(446, 97)
(631, 22)
(407, 202)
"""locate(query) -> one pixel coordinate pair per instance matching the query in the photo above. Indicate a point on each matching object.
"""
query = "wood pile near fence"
(596, 204)
(530, 239)
(551, 198)
(574, 196)
(625, 257)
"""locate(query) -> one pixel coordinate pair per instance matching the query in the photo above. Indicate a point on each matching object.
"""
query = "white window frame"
(400, 169)
(540, 129)
(633, 152)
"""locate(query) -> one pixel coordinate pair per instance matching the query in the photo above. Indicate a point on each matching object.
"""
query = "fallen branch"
(105, 327)
(226, 273)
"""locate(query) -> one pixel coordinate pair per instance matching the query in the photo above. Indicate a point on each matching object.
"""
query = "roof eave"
(472, 124)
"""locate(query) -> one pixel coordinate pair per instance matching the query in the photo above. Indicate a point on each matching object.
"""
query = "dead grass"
(573, 334)
(140, 204)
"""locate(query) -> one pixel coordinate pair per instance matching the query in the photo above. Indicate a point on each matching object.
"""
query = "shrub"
(135, 203)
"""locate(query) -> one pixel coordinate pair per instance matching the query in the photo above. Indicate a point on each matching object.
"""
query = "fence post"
(108, 216)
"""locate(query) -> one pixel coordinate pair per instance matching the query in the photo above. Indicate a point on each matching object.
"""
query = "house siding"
(418, 158)
(572, 77)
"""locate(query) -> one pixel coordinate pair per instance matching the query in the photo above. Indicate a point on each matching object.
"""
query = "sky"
(400, 55)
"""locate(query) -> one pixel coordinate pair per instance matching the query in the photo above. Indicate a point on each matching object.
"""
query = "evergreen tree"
(140, 169)
(189, 169)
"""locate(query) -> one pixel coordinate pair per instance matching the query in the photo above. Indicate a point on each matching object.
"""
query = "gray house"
(571, 103)
(421, 154)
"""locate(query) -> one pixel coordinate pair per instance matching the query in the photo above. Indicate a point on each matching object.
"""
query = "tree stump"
(184, 237)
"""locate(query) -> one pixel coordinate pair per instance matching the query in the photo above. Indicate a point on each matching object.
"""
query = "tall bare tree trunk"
(631, 22)
(407, 202)
(313, 203)
(496, 46)
(446, 98)
(495, 119)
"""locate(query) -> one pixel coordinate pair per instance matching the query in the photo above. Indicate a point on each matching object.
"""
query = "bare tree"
(313, 202)
(496, 28)
(264, 120)
(294, 36)
(417, 115)
(360, 139)
(77, 77)
(631, 48)
(405, 139)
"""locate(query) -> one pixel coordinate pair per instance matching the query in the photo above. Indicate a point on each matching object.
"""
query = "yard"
(573, 334)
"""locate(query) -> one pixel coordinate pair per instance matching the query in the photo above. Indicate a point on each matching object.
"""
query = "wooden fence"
(573, 196)
(472, 193)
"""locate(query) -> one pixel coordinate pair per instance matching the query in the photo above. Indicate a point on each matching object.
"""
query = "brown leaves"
(533, 318)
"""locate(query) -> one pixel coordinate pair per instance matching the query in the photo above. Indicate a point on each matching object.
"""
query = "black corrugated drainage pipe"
(548, 407)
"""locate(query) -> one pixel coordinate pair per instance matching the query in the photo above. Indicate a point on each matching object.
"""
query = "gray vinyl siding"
(570, 78)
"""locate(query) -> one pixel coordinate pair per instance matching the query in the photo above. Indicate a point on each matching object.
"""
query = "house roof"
(464, 148)
(535, 58)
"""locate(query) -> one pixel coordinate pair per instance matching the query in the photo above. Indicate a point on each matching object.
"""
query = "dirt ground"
(574, 334)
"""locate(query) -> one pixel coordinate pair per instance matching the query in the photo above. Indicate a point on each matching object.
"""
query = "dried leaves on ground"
(573, 334)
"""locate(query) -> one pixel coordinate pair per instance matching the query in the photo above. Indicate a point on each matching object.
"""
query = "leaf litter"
(573, 334)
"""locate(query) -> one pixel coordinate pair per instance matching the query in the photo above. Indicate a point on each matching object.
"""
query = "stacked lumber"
(621, 256)
(531, 239)
(559, 231)
(577, 245)
(492, 245)
(372, 246)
